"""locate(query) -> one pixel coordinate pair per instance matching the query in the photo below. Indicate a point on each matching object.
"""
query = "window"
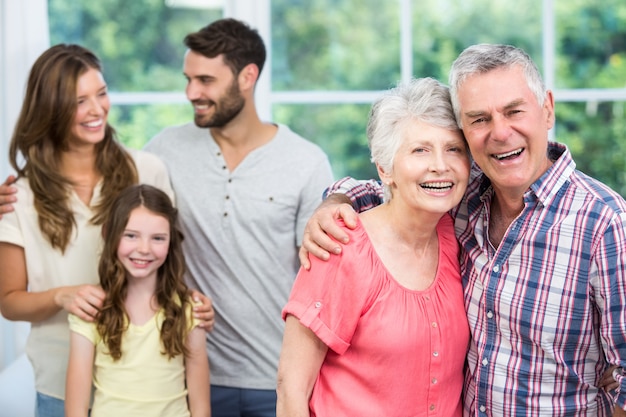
(590, 80)
(141, 46)
(331, 58)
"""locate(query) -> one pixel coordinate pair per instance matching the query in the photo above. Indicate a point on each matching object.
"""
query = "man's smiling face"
(506, 128)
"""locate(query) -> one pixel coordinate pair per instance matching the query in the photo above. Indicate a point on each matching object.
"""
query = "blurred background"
(328, 60)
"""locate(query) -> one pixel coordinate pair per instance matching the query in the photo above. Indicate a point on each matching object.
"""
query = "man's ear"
(248, 77)
(548, 106)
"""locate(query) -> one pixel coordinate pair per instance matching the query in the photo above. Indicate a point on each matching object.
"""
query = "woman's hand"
(7, 195)
(84, 301)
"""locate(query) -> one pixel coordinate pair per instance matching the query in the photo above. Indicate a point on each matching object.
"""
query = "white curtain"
(24, 35)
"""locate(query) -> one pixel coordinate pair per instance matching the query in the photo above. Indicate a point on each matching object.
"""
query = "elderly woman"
(381, 330)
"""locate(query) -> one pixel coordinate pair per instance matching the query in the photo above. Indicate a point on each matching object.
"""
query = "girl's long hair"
(171, 291)
(41, 134)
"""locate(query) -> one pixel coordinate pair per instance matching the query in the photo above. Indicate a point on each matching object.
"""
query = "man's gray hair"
(482, 58)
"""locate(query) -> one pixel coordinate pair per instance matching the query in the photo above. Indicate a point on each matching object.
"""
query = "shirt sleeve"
(152, 171)
(86, 329)
(331, 297)
(364, 194)
(12, 225)
(10, 231)
(610, 294)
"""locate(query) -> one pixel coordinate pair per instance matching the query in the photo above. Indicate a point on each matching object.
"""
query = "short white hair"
(420, 99)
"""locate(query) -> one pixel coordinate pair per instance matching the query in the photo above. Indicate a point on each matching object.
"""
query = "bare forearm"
(19, 304)
(200, 401)
(16, 302)
(301, 359)
(336, 199)
(289, 405)
(197, 374)
(82, 300)
(29, 306)
(71, 411)
(79, 376)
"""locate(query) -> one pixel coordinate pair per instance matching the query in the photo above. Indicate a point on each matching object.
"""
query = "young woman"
(380, 330)
(144, 349)
(70, 168)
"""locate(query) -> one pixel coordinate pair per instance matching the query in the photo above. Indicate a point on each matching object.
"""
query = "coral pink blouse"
(392, 351)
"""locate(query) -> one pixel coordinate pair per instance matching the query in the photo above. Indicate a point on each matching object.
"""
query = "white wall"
(24, 35)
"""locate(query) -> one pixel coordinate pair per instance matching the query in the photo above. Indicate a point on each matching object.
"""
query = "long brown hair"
(42, 132)
(171, 291)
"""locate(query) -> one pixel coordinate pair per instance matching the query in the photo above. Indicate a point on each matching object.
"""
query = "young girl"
(70, 167)
(145, 351)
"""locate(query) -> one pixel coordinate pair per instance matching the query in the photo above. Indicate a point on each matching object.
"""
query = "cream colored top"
(47, 346)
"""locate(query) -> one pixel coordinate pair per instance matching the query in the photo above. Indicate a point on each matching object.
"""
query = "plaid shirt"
(547, 307)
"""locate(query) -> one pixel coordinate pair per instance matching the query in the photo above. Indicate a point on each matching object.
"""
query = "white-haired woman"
(380, 330)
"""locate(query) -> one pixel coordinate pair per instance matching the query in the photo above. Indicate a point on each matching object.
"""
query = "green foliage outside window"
(355, 45)
(591, 53)
(140, 43)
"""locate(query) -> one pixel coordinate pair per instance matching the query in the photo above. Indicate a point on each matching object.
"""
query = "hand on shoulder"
(323, 225)
(7, 195)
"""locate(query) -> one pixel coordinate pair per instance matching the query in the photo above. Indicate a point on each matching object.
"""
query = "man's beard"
(226, 108)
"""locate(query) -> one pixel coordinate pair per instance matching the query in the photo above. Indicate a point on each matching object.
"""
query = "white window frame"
(24, 35)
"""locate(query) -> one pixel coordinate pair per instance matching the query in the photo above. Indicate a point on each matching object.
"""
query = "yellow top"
(143, 382)
(49, 340)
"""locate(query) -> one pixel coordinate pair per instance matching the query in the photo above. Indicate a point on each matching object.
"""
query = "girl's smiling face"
(144, 244)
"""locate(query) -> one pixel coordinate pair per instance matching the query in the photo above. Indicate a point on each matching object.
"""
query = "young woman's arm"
(197, 374)
(301, 358)
(79, 376)
(17, 303)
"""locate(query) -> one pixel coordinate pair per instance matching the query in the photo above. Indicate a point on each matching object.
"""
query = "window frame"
(26, 24)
